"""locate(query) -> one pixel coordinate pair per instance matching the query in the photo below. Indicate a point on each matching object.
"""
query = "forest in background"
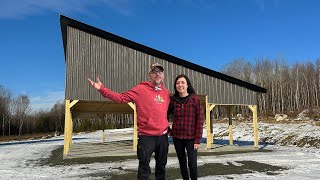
(290, 90)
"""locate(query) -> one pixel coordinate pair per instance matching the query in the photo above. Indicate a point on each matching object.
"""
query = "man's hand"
(97, 84)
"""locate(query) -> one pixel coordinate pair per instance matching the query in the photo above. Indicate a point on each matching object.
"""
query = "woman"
(187, 125)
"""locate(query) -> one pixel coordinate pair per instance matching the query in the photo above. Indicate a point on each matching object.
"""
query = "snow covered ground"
(294, 147)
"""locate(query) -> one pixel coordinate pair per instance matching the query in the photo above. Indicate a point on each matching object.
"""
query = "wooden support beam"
(100, 115)
(208, 125)
(74, 102)
(211, 123)
(212, 107)
(209, 108)
(230, 109)
(254, 111)
(135, 127)
(67, 129)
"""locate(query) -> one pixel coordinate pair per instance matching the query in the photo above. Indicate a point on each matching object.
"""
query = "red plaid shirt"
(187, 118)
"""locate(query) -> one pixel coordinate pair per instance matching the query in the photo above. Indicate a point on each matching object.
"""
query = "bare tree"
(21, 110)
(240, 69)
(58, 111)
(317, 80)
(262, 73)
(5, 98)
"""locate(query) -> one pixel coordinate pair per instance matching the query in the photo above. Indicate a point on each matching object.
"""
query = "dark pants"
(180, 146)
(146, 146)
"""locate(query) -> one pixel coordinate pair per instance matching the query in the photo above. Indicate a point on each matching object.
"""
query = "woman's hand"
(196, 146)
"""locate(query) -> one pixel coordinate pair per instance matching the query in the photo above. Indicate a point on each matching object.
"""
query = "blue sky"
(211, 33)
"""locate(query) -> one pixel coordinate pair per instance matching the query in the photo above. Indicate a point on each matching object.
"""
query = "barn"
(121, 64)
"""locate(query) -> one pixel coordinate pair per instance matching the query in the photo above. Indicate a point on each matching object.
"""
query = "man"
(152, 101)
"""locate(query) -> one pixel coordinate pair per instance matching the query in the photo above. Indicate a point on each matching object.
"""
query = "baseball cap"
(154, 65)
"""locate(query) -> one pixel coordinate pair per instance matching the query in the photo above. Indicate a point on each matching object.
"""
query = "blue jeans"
(146, 146)
(186, 144)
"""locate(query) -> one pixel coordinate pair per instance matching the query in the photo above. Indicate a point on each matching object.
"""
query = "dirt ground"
(172, 173)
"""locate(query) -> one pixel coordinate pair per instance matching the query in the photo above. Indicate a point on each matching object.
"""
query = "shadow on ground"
(211, 169)
(235, 142)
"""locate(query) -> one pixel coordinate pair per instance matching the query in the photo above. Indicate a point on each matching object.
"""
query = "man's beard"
(157, 83)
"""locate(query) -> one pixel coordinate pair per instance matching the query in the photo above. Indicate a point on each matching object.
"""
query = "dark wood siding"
(120, 68)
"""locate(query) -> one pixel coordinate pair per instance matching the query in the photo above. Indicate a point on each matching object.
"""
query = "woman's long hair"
(190, 89)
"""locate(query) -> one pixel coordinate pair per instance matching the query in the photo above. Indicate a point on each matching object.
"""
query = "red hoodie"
(151, 103)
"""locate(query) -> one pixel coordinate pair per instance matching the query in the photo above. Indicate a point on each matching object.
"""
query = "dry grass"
(317, 123)
(24, 137)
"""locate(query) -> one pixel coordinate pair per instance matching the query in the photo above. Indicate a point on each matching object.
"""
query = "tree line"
(290, 89)
(17, 118)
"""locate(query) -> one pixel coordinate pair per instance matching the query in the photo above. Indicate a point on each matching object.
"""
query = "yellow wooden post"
(211, 107)
(230, 108)
(67, 125)
(70, 130)
(230, 135)
(209, 135)
(135, 127)
(255, 124)
(103, 136)
(72, 103)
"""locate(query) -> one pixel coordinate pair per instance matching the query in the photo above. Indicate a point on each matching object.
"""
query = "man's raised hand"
(97, 84)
